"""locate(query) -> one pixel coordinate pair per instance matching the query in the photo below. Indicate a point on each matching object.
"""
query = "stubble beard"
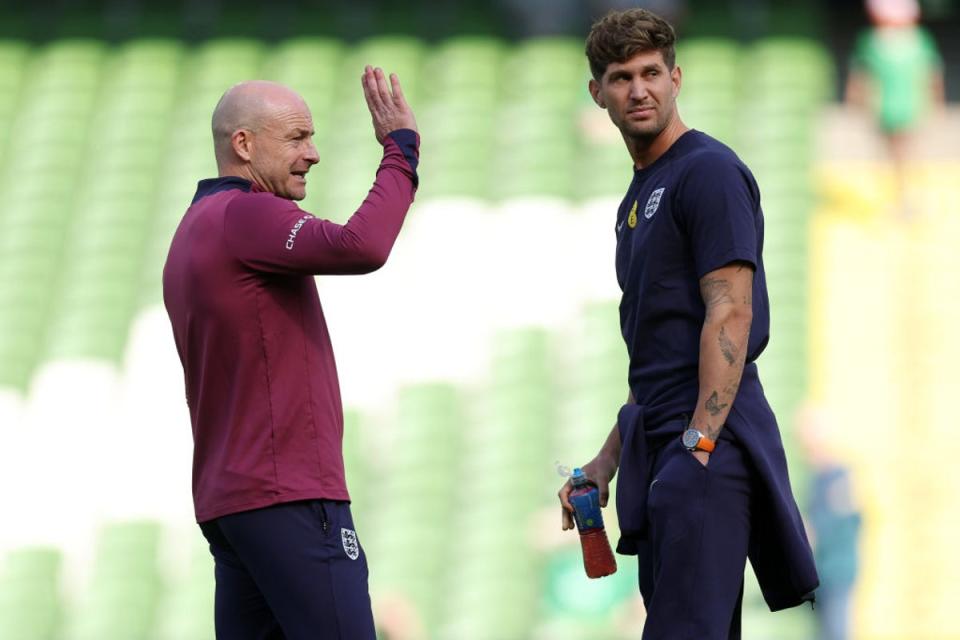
(644, 134)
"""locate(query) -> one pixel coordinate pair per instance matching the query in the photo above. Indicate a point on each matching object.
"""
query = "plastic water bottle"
(598, 560)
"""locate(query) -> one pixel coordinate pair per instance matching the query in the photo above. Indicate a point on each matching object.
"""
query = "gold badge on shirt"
(632, 218)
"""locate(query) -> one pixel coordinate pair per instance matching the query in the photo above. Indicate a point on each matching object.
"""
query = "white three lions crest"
(653, 202)
(350, 545)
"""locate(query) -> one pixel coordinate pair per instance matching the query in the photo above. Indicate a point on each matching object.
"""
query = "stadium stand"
(120, 602)
(410, 550)
(102, 146)
(31, 605)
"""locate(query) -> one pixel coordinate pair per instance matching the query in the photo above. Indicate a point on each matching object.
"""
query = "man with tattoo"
(703, 480)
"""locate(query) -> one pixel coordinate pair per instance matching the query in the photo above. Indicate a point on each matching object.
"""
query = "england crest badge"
(653, 203)
(350, 544)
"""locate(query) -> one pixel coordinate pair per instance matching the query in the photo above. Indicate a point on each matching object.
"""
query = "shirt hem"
(737, 254)
(269, 501)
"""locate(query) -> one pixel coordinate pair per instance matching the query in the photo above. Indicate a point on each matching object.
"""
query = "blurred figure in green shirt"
(896, 71)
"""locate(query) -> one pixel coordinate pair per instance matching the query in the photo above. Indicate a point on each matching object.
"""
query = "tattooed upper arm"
(729, 285)
(715, 291)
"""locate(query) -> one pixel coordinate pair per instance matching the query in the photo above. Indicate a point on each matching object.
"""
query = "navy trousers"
(692, 562)
(290, 571)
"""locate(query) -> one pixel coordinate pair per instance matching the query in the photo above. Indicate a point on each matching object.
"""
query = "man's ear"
(676, 76)
(594, 88)
(242, 143)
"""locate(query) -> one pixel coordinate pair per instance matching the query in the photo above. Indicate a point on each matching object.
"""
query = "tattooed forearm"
(713, 406)
(730, 351)
(731, 389)
(715, 291)
(727, 295)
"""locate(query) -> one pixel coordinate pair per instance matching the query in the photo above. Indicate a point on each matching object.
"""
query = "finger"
(564, 495)
(398, 96)
(604, 490)
(370, 78)
(382, 87)
(566, 520)
(365, 83)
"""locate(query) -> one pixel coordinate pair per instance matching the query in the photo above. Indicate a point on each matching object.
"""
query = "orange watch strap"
(706, 444)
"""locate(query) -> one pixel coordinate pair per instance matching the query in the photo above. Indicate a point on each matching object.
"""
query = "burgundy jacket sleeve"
(272, 234)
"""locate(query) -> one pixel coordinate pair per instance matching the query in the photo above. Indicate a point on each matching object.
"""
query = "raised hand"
(388, 108)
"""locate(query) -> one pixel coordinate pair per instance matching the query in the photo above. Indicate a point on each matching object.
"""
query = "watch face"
(690, 438)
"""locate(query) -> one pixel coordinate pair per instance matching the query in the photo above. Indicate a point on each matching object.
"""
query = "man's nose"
(638, 89)
(312, 156)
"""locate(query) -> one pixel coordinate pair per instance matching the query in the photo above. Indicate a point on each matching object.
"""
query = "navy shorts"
(692, 561)
(294, 571)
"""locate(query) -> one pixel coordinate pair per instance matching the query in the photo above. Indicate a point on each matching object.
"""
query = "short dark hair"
(620, 35)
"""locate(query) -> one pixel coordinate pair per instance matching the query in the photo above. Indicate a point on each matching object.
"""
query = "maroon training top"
(261, 380)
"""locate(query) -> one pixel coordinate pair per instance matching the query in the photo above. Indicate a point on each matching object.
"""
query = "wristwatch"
(693, 440)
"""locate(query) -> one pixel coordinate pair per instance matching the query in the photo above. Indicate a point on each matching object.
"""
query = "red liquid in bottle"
(598, 559)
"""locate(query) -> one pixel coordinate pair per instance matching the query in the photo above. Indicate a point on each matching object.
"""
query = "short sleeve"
(719, 209)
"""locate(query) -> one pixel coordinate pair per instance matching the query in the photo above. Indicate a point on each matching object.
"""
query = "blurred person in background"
(703, 479)
(835, 520)
(261, 381)
(897, 72)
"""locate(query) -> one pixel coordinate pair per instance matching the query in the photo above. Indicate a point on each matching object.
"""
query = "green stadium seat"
(218, 64)
(605, 168)
(187, 611)
(410, 550)
(796, 68)
(30, 256)
(402, 55)
(14, 55)
(308, 61)
(712, 79)
(464, 68)
(598, 384)
(518, 415)
(545, 69)
(709, 64)
(14, 58)
(30, 602)
(312, 67)
(122, 598)
(112, 211)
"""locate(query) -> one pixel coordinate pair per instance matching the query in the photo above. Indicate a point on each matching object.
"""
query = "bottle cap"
(578, 478)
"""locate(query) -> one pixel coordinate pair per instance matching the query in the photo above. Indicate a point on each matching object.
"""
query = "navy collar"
(211, 186)
(680, 145)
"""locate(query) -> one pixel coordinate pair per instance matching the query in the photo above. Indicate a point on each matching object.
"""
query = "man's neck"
(238, 171)
(645, 151)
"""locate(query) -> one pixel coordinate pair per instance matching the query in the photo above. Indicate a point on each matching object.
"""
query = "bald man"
(261, 381)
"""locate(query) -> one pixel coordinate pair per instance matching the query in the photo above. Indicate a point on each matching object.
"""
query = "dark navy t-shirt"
(694, 210)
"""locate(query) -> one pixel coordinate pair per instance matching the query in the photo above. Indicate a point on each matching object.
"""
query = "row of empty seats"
(105, 145)
(454, 502)
(102, 154)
